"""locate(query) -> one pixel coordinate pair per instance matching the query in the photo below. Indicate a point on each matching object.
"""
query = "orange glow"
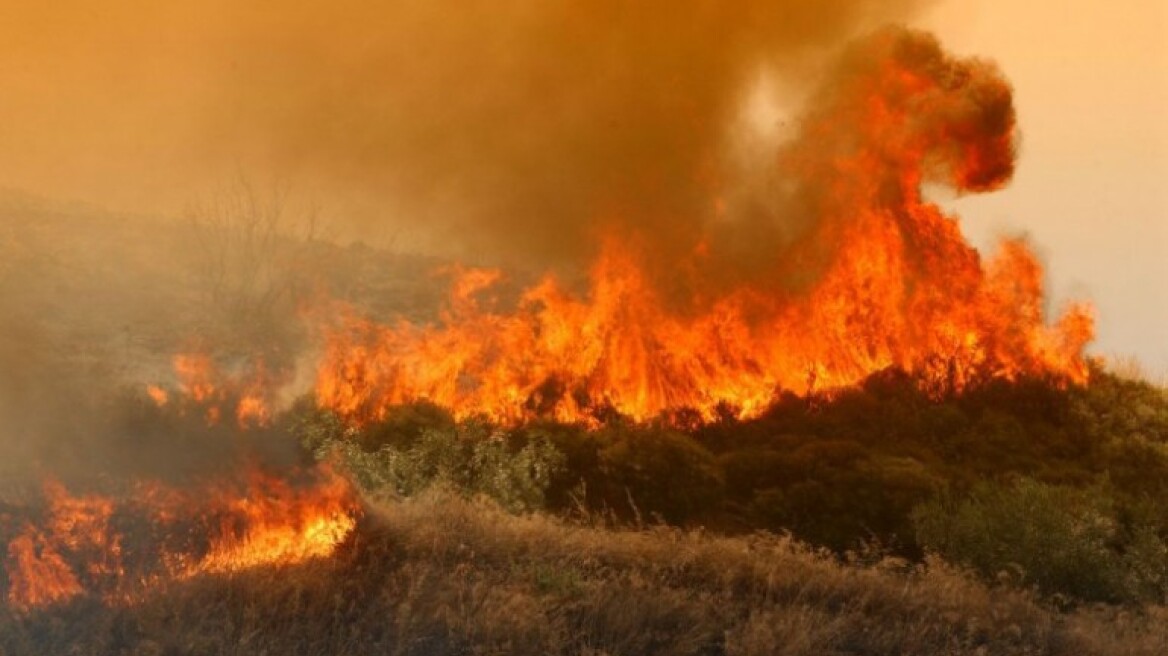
(251, 410)
(37, 574)
(277, 523)
(893, 283)
(196, 374)
(245, 396)
(158, 395)
(75, 549)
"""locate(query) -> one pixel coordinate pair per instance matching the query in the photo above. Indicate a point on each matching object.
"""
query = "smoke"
(518, 130)
(94, 306)
(509, 128)
(895, 113)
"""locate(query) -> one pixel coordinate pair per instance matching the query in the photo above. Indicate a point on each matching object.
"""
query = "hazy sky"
(122, 103)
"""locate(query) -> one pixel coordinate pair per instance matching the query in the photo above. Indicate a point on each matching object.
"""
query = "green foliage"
(1112, 407)
(318, 431)
(1063, 540)
(403, 425)
(549, 579)
(840, 504)
(468, 458)
(837, 470)
(659, 472)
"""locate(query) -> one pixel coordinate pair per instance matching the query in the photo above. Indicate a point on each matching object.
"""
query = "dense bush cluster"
(1064, 540)
(1062, 489)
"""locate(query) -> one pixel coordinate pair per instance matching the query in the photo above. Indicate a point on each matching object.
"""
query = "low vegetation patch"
(1059, 489)
(440, 574)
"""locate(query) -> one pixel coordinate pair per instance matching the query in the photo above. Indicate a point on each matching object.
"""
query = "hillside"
(1010, 516)
(438, 575)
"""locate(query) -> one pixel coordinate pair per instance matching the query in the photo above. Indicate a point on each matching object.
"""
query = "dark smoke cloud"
(520, 126)
(895, 113)
(508, 127)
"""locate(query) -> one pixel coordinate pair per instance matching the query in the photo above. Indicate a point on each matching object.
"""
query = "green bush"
(657, 471)
(835, 470)
(468, 458)
(1063, 540)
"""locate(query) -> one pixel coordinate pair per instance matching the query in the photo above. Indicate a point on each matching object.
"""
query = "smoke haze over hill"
(522, 122)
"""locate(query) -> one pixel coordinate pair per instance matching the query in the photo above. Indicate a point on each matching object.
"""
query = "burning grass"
(64, 545)
(442, 575)
(871, 363)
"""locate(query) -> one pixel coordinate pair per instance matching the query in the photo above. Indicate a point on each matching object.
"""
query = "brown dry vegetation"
(441, 575)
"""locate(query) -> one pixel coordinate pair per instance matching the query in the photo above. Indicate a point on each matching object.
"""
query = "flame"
(245, 396)
(197, 375)
(159, 396)
(277, 523)
(38, 572)
(38, 575)
(76, 548)
(888, 281)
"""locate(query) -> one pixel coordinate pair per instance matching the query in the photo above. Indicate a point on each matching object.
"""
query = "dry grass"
(444, 576)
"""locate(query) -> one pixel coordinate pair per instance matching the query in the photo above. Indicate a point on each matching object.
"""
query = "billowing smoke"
(896, 113)
(505, 128)
(94, 306)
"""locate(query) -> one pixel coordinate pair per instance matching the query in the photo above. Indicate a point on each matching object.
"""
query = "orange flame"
(75, 548)
(38, 573)
(277, 523)
(244, 396)
(196, 375)
(892, 283)
(158, 395)
(38, 576)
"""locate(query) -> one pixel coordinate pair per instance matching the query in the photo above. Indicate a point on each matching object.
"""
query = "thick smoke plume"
(508, 127)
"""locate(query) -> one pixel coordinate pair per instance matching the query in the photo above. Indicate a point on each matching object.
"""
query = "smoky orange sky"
(512, 125)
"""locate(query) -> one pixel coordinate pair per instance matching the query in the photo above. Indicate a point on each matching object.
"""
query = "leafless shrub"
(254, 260)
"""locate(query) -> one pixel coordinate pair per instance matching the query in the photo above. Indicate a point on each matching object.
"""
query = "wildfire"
(201, 383)
(278, 523)
(76, 545)
(892, 283)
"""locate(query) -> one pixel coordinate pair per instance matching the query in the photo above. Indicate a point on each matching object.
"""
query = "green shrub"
(467, 458)
(318, 431)
(1063, 540)
(657, 471)
(404, 424)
